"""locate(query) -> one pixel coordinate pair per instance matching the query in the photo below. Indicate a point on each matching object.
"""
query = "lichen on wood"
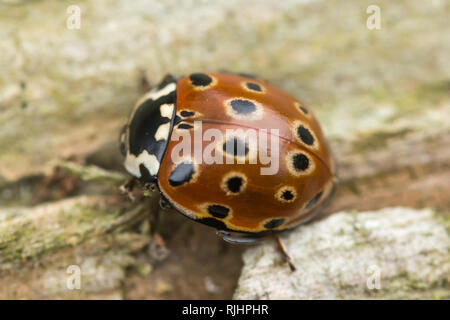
(97, 233)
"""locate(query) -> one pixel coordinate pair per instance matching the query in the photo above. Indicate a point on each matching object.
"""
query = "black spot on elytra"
(200, 79)
(212, 222)
(305, 135)
(304, 110)
(274, 223)
(300, 161)
(218, 211)
(235, 147)
(314, 200)
(182, 174)
(253, 86)
(234, 184)
(242, 106)
(287, 195)
(186, 126)
(186, 113)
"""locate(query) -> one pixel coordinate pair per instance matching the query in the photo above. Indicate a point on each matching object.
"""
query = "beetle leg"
(164, 203)
(237, 239)
(151, 186)
(154, 217)
(127, 188)
(249, 239)
(158, 249)
(282, 249)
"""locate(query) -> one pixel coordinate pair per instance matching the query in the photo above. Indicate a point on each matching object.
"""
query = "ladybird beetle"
(232, 195)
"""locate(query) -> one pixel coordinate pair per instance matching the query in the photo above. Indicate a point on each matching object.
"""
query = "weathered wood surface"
(382, 97)
(393, 253)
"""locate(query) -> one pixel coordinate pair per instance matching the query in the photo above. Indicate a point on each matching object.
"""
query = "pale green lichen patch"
(50, 227)
(94, 173)
(92, 233)
(370, 141)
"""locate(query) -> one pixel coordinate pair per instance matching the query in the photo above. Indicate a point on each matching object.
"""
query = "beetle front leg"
(128, 187)
(157, 249)
(284, 254)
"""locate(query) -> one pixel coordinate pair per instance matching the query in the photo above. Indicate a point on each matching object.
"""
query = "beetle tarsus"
(284, 254)
(158, 249)
(151, 186)
(128, 187)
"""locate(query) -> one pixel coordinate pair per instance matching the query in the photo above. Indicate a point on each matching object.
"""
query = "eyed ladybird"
(232, 196)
